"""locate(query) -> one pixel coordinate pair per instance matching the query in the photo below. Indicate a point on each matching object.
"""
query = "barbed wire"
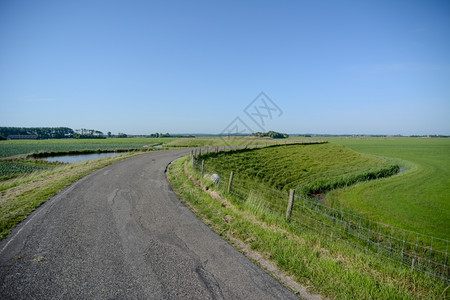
(418, 251)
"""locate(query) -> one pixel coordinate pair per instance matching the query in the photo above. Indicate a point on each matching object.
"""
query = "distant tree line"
(50, 133)
(159, 135)
(40, 132)
(88, 134)
(271, 134)
(65, 132)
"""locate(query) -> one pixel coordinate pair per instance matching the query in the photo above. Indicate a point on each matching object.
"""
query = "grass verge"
(331, 268)
(22, 195)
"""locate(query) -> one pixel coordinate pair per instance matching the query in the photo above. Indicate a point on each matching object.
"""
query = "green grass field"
(232, 141)
(417, 199)
(10, 148)
(310, 169)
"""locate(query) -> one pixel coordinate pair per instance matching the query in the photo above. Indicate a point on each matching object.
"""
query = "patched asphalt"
(122, 233)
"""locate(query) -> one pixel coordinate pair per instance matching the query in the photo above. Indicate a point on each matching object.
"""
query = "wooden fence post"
(231, 181)
(290, 205)
(192, 157)
(203, 166)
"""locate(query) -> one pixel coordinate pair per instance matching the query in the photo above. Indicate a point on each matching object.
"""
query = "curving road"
(121, 233)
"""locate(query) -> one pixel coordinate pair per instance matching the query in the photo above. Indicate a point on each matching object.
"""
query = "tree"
(88, 134)
(41, 132)
(271, 134)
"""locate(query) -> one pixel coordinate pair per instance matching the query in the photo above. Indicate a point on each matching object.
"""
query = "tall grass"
(422, 252)
(309, 168)
(328, 266)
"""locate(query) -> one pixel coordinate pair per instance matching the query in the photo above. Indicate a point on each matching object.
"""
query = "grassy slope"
(417, 199)
(9, 148)
(293, 166)
(331, 268)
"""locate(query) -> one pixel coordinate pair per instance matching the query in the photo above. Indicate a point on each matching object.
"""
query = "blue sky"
(337, 67)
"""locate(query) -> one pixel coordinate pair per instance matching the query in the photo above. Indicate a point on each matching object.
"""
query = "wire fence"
(420, 252)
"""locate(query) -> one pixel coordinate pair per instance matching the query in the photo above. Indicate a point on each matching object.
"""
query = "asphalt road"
(121, 233)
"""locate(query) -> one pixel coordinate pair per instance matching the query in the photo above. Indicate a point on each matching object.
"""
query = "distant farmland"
(10, 148)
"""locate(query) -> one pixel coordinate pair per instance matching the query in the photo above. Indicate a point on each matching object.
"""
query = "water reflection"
(79, 157)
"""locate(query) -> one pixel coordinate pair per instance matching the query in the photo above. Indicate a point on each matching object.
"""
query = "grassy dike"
(331, 268)
(22, 195)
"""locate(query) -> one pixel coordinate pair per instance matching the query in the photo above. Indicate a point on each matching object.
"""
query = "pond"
(79, 157)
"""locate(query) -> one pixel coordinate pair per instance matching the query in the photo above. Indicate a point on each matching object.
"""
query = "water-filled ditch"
(79, 157)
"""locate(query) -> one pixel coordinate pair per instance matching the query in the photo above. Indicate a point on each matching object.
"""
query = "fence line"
(418, 251)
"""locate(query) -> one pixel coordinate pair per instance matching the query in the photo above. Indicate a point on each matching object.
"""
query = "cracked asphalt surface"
(121, 233)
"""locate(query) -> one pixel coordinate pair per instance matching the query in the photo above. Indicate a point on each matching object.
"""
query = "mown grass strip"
(331, 268)
(21, 196)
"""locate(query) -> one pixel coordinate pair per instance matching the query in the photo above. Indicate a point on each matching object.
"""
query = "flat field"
(10, 148)
(418, 199)
(232, 141)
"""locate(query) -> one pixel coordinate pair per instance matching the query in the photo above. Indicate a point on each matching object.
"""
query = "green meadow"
(214, 141)
(418, 198)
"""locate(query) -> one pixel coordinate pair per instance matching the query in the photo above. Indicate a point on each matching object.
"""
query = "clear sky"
(138, 67)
